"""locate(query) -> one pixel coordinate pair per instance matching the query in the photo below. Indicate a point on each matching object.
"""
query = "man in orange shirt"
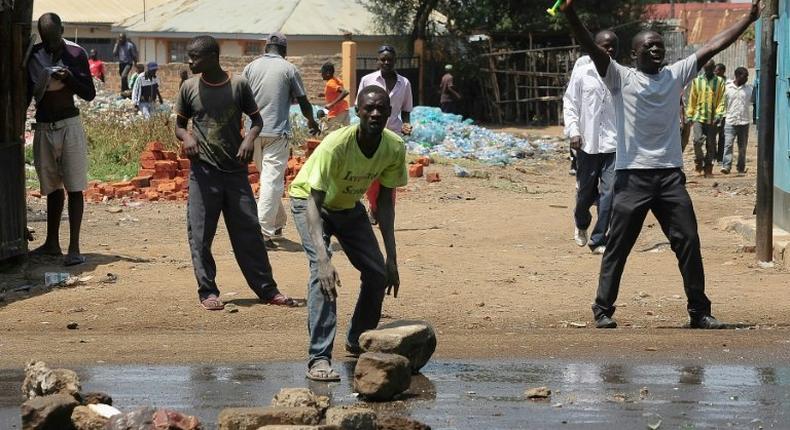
(335, 98)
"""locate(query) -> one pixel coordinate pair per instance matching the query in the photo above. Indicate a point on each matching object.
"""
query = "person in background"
(214, 101)
(96, 65)
(401, 103)
(275, 82)
(721, 71)
(449, 97)
(57, 71)
(335, 98)
(139, 69)
(591, 125)
(705, 110)
(146, 90)
(325, 202)
(125, 52)
(739, 99)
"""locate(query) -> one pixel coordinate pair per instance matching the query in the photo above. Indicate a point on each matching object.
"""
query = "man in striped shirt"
(705, 111)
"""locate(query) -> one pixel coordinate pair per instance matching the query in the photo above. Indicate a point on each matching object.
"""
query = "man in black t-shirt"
(214, 101)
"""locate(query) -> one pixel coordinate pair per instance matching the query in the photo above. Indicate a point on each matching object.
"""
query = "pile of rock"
(55, 401)
(300, 408)
(393, 352)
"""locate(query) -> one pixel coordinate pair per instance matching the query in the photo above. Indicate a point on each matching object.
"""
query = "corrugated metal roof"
(700, 21)
(92, 11)
(292, 17)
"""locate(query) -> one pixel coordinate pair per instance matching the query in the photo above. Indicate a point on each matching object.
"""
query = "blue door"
(782, 120)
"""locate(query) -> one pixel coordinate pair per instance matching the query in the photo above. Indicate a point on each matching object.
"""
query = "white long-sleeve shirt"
(588, 109)
(739, 102)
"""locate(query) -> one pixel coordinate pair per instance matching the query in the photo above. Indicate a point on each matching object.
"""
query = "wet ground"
(477, 394)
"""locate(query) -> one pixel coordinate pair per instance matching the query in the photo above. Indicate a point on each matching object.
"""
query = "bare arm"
(328, 277)
(247, 147)
(726, 38)
(386, 217)
(598, 55)
(307, 111)
(342, 95)
(188, 142)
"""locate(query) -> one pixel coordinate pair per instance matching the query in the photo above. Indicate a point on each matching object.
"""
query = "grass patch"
(115, 143)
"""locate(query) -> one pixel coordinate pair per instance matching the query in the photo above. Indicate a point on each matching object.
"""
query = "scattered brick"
(252, 168)
(152, 196)
(432, 177)
(154, 146)
(146, 172)
(126, 191)
(165, 187)
(170, 155)
(141, 181)
(425, 161)
(415, 170)
(184, 163)
(181, 184)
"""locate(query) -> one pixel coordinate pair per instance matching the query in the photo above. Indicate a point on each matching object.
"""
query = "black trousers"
(213, 192)
(123, 70)
(662, 191)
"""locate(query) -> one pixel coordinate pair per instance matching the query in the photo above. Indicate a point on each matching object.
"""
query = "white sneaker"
(580, 236)
(599, 250)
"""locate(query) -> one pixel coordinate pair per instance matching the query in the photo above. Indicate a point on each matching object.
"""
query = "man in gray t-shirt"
(275, 83)
(649, 164)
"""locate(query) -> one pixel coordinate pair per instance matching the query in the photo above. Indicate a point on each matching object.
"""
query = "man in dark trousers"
(649, 167)
(126, 52)
(215, 101)
(325, 202)
(57, 71)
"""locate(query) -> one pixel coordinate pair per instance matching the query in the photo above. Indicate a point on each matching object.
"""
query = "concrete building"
(89, 22)
(313, 27)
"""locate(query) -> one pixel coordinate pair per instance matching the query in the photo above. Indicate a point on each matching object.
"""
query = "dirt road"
(490, 262)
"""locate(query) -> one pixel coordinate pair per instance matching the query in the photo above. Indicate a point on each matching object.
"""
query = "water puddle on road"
(469, 394)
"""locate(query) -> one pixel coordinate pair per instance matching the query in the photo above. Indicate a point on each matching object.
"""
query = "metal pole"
(765, 136)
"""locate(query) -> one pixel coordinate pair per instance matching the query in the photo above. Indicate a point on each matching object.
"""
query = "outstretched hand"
(756, 10)
(566, 5)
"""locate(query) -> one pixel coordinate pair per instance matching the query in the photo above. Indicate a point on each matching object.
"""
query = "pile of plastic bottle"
(448, 135)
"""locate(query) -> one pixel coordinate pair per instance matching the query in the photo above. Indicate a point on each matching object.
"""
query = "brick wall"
(309, 66)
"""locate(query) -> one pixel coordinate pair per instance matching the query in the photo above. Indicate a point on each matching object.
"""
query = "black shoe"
(278, 233)
(353, 350)
(707, 322)
(270, 244)
(605, 322)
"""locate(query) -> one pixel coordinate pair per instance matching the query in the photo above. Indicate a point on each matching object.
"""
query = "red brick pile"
(417, 167)
(164, 175)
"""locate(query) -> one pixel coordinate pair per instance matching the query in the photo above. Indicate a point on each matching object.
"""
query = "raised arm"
(598, 55)
(726, 38)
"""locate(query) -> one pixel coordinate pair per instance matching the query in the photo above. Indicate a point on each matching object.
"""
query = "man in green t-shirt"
(214, 101)
(325, 202)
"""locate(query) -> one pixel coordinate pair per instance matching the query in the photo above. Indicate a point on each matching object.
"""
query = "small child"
(146, 90)
(218, 183)
(335, 98)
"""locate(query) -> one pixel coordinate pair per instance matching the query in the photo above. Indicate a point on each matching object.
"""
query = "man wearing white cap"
(449, 96)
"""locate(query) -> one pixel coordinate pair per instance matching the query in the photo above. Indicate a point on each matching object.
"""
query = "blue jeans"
(594, 179)
(731, 132)
(352, 229)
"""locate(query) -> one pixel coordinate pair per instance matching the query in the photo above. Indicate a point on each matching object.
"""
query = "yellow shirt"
(340, 169)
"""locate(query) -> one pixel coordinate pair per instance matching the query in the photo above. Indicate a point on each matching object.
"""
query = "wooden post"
(349, 73)
(419, 52)
(15, 22)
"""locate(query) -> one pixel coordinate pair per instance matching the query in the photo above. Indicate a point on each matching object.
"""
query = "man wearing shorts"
(57, 71)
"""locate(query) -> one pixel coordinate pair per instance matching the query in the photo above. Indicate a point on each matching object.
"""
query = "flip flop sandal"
(282, 300)
(74, 260)
(322, 371)
(212, 303)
